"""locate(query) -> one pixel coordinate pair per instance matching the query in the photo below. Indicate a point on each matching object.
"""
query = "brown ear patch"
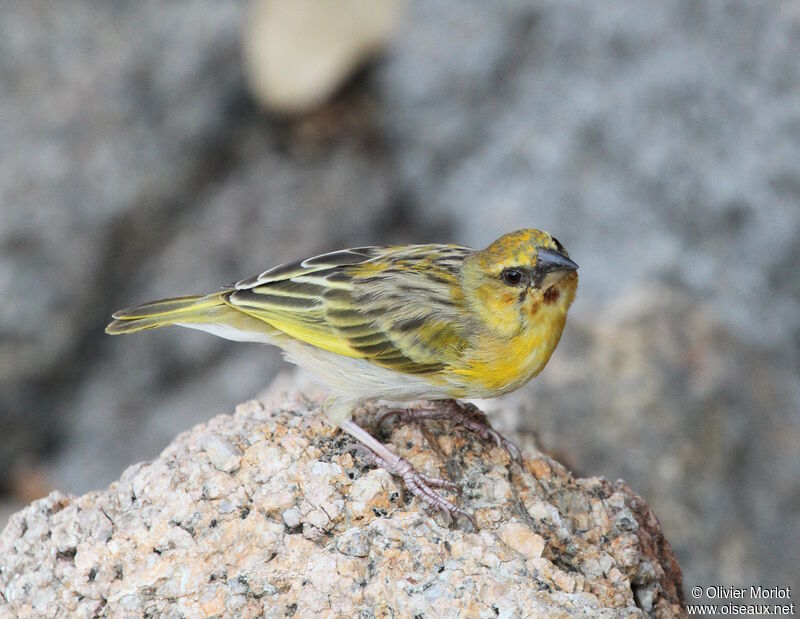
(551, 295)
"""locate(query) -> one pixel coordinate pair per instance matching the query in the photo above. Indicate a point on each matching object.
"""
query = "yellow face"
(519, 278)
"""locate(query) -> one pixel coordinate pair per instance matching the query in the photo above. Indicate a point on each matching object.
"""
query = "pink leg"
(420, 485)
(467, 415)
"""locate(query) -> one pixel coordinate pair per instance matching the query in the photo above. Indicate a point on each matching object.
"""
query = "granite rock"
(266, 513)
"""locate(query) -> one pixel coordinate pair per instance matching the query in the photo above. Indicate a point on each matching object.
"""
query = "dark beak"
(550, 260)
(551, 267)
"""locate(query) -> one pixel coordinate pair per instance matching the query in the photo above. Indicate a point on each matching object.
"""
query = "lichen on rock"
(266, 512)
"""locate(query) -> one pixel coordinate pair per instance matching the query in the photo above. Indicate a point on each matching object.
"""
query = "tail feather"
(184, 310)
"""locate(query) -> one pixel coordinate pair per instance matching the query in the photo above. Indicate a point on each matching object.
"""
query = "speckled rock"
(267, 513)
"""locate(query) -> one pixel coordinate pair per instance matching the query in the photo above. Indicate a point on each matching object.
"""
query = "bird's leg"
(419, 484)
(467, 415)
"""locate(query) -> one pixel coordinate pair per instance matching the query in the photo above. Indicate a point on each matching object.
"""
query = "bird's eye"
(512, 277)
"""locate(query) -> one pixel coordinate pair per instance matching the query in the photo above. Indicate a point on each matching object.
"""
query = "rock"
(223, 455)
(297, 54)
(85, 156)
(299, 526)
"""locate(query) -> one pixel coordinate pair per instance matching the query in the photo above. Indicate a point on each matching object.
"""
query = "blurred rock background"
(660, 141)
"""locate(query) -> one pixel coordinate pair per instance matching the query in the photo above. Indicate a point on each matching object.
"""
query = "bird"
(435, 323)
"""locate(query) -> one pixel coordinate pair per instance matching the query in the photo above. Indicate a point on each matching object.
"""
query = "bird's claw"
(487, 432)
(419, 484)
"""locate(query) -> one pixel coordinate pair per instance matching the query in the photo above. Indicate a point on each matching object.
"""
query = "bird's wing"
(399, 307)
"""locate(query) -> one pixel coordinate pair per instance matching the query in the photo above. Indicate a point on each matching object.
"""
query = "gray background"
(660, 141)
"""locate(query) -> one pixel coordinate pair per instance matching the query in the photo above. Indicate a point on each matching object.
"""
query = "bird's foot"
(468, 415)
(420, 485)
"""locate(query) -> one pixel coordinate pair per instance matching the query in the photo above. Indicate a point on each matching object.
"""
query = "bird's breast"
(495, 365)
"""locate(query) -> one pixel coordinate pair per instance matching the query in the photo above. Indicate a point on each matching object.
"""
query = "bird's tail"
(187, 311)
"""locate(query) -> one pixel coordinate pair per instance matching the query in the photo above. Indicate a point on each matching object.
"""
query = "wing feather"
(322, 262)
(399, 307)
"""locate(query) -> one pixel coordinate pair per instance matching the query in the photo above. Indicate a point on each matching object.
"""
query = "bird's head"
(518, 276)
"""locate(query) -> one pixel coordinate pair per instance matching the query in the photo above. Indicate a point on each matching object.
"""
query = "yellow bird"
(398, 323)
